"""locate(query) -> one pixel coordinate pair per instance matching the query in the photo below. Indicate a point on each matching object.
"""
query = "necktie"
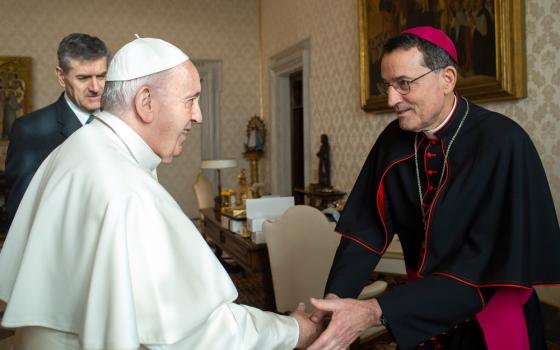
(90, 119)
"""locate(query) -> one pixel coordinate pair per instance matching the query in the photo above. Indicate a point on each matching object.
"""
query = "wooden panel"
(255, 284)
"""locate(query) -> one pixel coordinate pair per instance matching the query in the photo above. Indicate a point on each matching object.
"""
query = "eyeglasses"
(401, 86)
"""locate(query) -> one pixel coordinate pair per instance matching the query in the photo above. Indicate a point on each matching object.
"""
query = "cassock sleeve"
(415, 311)
(427, 307)
(351, 269)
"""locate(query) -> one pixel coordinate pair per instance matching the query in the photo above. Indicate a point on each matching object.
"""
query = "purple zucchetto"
(436, 37)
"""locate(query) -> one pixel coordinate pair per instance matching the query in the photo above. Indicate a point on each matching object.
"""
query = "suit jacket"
(32, 139)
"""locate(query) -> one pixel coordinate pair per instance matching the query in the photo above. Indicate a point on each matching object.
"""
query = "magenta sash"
(502, 320)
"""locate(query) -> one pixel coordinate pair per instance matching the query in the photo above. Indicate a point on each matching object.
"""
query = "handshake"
(335, 323)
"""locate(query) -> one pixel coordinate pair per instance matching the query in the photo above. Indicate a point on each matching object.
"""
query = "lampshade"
(218, 163)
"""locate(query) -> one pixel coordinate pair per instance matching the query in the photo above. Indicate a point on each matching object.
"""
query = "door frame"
(292, 59)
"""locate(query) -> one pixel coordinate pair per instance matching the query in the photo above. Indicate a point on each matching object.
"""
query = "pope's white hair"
(118, 96)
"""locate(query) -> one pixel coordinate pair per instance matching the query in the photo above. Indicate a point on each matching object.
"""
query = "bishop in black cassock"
(473, 210)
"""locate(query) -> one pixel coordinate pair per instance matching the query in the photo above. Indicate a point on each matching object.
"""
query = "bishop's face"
(423, 107)
(178, 110)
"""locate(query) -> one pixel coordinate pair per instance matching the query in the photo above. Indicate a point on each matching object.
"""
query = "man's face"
(423, 107)
(177, 110)
(84, 82)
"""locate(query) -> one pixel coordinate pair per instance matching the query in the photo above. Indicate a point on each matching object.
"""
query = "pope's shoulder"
(103, 165)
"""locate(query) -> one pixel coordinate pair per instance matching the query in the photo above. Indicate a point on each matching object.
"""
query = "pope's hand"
(323, 316)
(308, 331)
(349, 318)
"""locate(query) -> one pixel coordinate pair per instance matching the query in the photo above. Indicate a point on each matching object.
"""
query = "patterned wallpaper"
(228, 30)
(332, 28)
(213, 29)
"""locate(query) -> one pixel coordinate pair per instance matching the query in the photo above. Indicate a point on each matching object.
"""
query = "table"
(255, 283)
(320, 199)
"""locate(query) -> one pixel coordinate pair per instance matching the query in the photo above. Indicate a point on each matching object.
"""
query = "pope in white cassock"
(100, 256)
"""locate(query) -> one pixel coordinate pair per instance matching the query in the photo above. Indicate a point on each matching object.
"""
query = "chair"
(204, 195)
(203, 192)
(301, 246)
(205, 199)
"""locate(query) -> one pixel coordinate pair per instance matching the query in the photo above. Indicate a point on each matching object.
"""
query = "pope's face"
(178, 110)
(84, 82)
(423, 107)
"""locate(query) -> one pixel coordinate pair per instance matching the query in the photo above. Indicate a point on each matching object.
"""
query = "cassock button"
(433, 142)
(430, 155)
(431, 188)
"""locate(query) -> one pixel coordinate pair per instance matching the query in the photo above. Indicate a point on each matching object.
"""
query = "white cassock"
(99, 249)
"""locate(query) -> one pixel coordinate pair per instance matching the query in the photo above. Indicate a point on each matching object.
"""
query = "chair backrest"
(301, 246)
(203, 192)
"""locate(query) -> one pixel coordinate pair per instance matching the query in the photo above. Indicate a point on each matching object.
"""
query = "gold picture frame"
(381, 19)
(15, 91)
(15, 96)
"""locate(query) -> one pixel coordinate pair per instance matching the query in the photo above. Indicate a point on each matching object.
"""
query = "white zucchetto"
(142, 57)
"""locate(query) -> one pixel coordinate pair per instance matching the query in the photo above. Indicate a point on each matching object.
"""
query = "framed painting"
(489, 36)
(15, 96)
(15, 91)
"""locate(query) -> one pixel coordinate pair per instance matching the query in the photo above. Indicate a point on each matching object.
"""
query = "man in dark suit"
(81, 70)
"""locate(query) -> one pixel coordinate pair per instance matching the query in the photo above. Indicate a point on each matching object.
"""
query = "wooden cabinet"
(255, 282)
(320, 199)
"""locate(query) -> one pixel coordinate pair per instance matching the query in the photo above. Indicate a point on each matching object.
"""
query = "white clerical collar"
(82, 116)
(431, 134)
(143, 154)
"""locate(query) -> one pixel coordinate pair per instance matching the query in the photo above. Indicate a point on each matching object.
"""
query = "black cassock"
(490, 224)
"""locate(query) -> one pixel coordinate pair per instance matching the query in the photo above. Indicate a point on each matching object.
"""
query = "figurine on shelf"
(243, 191)
(324, 163)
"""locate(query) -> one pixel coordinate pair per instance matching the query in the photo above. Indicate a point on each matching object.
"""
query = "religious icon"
(15, 91)
(255, 135)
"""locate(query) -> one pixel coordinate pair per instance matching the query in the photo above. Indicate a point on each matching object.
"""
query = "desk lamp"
(218, 164)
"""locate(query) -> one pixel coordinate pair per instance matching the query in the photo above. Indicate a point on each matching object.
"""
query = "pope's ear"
(449, 75)
(143, 104)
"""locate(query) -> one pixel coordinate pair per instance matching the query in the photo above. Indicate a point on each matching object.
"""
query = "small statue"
(324, 163)
(243, 191)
